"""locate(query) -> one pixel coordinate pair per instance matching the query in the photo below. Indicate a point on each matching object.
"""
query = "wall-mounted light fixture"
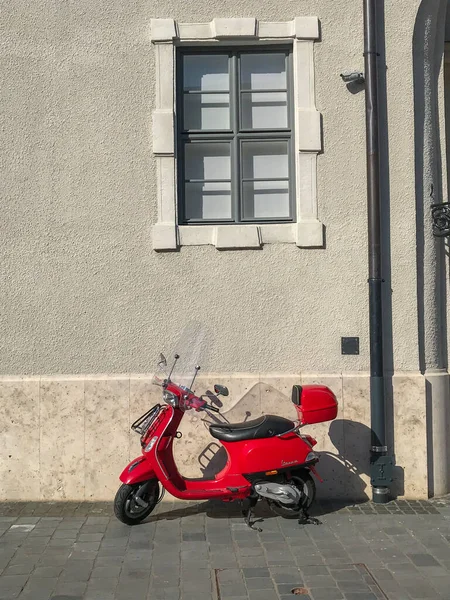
(355, 77)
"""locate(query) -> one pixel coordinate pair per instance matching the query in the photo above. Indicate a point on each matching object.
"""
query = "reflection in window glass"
(266, 199)
(263, 71)
(206, 111)
(208, 200)
(264, 109)
(206, 73)
(265, 160)
(207, 161)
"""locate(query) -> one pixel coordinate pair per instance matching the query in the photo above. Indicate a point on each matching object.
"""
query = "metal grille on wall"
(440, 214)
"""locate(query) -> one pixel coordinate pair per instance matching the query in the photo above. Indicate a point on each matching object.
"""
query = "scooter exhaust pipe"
(286, 494)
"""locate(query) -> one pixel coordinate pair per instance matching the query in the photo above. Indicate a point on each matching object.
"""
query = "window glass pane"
(207, 161)
(265, 160)
(264, 110)
(208, 200)
(206, 72)
(265, 199)
(263, 71)
(206, 111)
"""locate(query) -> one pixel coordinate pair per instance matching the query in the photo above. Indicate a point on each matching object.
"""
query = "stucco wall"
(82, 291)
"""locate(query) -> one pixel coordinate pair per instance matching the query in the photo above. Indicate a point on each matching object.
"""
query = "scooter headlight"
(312, 456)
(170, 398)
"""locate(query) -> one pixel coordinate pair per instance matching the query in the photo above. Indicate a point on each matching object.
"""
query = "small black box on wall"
(349, 345)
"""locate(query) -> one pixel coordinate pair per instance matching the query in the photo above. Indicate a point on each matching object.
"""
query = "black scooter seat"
(266, 426)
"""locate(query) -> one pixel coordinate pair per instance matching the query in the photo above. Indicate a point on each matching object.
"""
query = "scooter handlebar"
(196, 403)
(203, 405)
(200, 404)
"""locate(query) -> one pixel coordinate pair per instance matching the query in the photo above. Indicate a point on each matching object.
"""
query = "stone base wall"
(68, 438)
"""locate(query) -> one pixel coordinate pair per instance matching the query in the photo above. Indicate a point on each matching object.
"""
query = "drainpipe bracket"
(381, 470)
(379, 449)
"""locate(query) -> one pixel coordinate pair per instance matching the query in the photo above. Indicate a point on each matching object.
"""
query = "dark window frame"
(235, 135)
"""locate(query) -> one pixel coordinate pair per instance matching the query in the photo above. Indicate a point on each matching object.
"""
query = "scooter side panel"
(137, 471)
(267, 454)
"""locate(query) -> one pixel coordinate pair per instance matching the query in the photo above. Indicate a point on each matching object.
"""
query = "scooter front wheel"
(133, 503)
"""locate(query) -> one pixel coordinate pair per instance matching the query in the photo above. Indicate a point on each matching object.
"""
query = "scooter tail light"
(312, 442)
(312, 456)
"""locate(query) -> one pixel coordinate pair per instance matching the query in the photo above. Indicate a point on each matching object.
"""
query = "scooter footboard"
(137, 471)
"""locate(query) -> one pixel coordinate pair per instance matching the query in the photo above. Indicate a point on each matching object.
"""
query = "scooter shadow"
(214, 509)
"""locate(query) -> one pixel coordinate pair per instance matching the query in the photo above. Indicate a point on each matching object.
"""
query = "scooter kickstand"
(305, 519)
(247, 514)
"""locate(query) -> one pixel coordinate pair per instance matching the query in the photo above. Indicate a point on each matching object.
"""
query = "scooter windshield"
(187, 355)
(158, 380)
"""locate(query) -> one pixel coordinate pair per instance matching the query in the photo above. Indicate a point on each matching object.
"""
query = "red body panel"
(266, 454)
(138, 470)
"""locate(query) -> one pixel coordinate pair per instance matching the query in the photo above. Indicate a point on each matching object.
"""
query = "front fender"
(139, 469)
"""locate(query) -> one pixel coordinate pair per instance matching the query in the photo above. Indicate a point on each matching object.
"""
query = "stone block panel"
(106, 439)
(62, 434)
(19, 434)
(69, 437)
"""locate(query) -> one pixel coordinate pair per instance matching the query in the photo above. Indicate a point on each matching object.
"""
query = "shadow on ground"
(233, 510)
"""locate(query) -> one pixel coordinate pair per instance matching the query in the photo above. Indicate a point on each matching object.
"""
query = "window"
(235, 163)
(235, 121)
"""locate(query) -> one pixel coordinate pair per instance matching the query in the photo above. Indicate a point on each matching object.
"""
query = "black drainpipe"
(381, 465)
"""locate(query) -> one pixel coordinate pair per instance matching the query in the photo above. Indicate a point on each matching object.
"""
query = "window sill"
(305, 234)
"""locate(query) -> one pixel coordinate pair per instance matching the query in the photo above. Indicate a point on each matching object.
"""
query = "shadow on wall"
(428, 48)
(348, 468)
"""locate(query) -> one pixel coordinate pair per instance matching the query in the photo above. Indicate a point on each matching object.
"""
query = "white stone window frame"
(301, 32)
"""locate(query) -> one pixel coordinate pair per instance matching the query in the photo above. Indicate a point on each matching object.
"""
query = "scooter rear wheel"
(306, 485)
(133, 503)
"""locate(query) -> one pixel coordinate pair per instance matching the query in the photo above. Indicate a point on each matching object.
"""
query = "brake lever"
(209, 406)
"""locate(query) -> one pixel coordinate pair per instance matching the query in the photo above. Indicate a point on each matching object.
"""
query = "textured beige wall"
(82, 291)
(69, 438)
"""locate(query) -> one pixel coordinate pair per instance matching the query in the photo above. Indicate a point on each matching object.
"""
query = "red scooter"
(268, 458)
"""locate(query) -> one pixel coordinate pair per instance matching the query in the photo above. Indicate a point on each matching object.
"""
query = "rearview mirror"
(221, 390)
(162, 361)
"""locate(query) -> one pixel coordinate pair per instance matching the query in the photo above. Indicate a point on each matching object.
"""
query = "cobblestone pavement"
(67, 551)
